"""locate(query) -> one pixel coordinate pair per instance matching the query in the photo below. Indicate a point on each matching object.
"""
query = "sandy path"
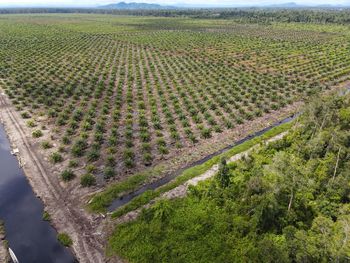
(181, 190)
(4, 256)
(66, 213)
(3, 252)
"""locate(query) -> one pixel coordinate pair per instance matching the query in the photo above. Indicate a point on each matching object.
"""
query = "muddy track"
(66, 214)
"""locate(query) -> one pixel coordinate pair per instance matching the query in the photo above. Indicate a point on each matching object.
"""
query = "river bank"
(66, 214)
(181, 190)
(31, 239)
(4, 256)
(128, 196)
(87, 231)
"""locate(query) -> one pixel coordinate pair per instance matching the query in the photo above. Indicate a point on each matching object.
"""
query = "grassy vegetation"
(67, 175)
(46, 216)
(125, 93)
(121, 97)
(87, 180)
(2, 229)
(192, 172)
(287, 202)
(37, 133)
(101, 201)
(64, 239)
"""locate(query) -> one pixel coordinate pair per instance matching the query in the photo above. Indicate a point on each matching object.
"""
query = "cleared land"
(65, 209)
(4, 257)
(114, 102)
(183, 189)
(124, 93)
(285, 202)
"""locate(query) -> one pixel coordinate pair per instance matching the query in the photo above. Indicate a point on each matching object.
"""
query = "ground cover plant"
(286, 202)
(121, 94)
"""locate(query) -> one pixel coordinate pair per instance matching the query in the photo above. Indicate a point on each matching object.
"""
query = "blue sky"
(164, 2)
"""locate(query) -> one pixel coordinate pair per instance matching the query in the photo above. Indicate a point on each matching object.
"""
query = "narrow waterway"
(154, 185)
(32, 239)
(123, 200)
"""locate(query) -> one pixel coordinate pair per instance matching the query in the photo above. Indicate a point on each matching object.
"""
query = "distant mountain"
(134, 6)
(284, 5)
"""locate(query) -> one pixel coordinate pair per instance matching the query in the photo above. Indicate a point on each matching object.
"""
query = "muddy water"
(154, 185)
(32, 239)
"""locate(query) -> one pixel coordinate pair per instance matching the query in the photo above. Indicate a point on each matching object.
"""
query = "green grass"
(282, 196)
(188, 78)
(46, 216)
(64, 239)
(2, 228)
(101, 201)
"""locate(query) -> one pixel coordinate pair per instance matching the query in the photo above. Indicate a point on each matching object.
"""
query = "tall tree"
(223, 176)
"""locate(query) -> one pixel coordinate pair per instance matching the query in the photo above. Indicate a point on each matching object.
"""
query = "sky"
(90, 3)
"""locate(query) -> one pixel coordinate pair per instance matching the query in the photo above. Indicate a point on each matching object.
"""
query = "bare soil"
(65, 203)
(4, 255)
(66, 211)
(181, 190)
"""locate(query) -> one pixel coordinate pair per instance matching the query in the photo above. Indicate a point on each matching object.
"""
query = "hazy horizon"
(194, 3)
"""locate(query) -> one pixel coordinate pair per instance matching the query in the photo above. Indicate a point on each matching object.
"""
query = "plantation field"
(112, 95)
(287, 201)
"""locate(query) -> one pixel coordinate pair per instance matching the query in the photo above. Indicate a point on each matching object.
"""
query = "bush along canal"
(32, 239)
(125, 199)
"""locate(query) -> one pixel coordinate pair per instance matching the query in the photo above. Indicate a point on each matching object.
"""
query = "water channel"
(154, 185)
(32, 239)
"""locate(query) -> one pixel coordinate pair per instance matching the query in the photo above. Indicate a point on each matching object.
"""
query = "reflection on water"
(32, 239)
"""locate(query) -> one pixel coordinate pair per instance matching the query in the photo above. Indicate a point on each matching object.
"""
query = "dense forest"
(286, 202)
(252, 15)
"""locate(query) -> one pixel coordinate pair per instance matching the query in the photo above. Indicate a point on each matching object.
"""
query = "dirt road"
(4, 256)
(3, 251)
(86, 231)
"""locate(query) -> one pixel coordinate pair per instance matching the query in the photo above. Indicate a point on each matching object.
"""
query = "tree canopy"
(286, 202)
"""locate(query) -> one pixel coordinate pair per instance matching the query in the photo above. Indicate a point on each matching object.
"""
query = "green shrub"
(56, 157)
(73, 163)
(78, 148)
(163, 150)
(37, 133)
(110, 160)
(128, 154)
(46, 216)
(67, 175)
(90, 168)
(65, 239)
(25, 115)
(109, 172)
(129, 163)
(65, 140)
(93, 156)
(46, 145)
(147, 158)
(206, 133)
(31, 123)
(87, 180)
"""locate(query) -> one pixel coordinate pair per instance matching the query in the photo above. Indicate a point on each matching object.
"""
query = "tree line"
(253, 15)
(287, 202)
